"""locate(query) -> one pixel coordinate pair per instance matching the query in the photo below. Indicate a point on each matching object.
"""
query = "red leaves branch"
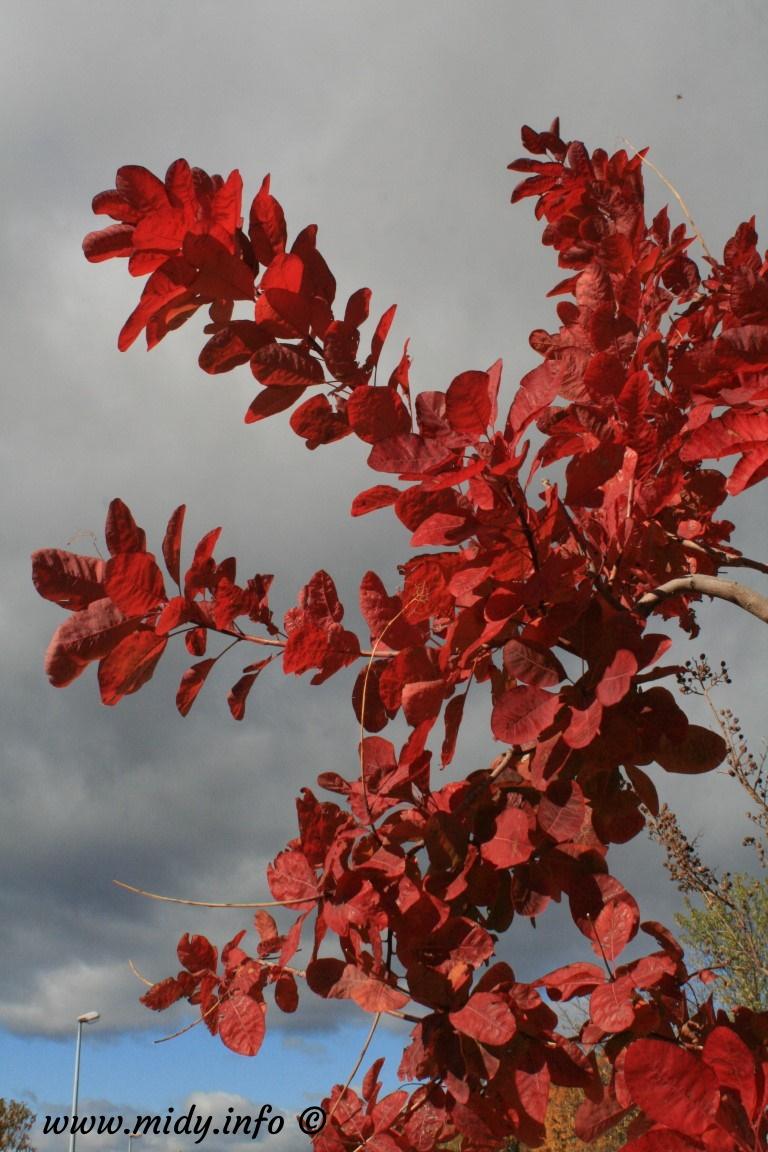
(542, 601)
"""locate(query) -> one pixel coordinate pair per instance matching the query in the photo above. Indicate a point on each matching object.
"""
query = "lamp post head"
(88, 1017)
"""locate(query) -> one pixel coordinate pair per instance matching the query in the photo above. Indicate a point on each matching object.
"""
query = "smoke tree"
(549, 577)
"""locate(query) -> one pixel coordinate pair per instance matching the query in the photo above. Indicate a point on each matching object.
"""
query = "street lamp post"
(86, 1018)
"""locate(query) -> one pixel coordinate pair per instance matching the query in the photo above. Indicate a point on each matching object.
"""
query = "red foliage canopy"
(543, 597)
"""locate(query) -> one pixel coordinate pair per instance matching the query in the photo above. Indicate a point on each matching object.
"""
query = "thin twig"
(191, 1025)
(668, 184)
(361, 1057)
(211, 903)
(138, 974)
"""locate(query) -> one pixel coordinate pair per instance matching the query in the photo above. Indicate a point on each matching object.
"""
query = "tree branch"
(730, 590)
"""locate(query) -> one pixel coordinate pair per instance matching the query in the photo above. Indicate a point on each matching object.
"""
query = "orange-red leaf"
(191, 683)
(486, 1017)
(523, 713)
(241, 1023)
(700, 750)
(511, 843)
(671, 1085)
(134, 582)
(172, 543)
(68, 580)
(85, 636)
(130, 664)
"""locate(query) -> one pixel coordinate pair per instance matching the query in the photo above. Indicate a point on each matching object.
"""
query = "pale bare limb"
(730, 590)
(361, 1057)
(191, 1025)
(668, 184)
(211, 903)
(138, 974)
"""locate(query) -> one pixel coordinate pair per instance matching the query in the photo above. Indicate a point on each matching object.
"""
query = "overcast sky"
(390, 126)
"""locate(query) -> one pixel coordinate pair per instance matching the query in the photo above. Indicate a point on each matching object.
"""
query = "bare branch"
(730, 590)
(210, 903)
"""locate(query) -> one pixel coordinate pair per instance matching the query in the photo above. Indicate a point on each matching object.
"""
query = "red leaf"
(726, 434)
(605, 912)
(161, 995)
(116, 240)
(199, 573)
(265, 925)
(375, 414)
(267, 225)
(172, 543)
(381, 333)
(272, 400)
(587, 473)
(196, 954)
(700, 750)
(376, 996)
(380, 496)
(316, 421)
(441, 528)
(241, 1023)
(532, 664)
(610, 1005)
(616, 680)
(306, 647)
(422, 700)
(324, 974)
(408, 453)
(238, 694)
(522, 714)
(562, 811)
(294, 309)
(121, 531)
(511, 843)
(733, 1064)
(282, 366)
(69, 580)
(584, 725)
(191, 683)
(486, 1017)
(468, 403)
(615, 926)
(292, 880)
(85, 636)
(232, 345)
(672, 1086)
(134, 582)
(573, 980)
(286, 992)
(356, 311)
(195, 641)
(220, 274)
(130, 664)
(169, 283)
(385, 617)
(454, 712)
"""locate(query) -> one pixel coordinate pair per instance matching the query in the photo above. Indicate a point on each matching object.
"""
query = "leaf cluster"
(538, 593)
